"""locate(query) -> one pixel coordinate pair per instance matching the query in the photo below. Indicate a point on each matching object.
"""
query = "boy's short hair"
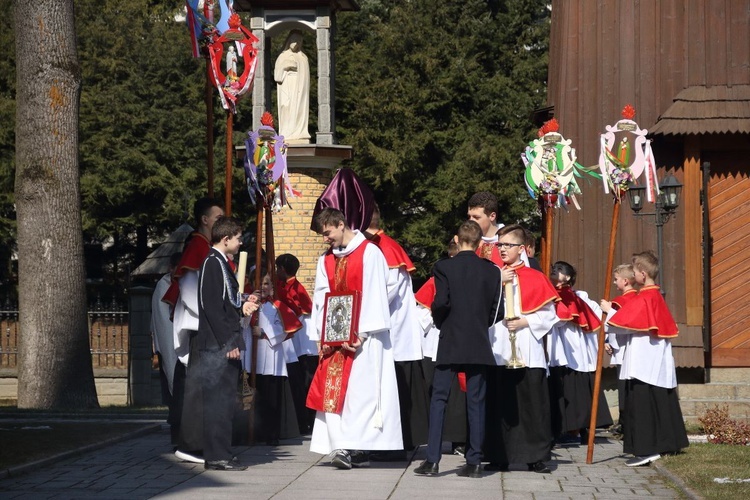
(329, 217)
(562, 267)
(530, 239)
(203, 206)
(288, 263)
(518, 232)
(469, 233)
(486, 200)
(625, 271)
(646, 262)
(375, 221)
(225, 227)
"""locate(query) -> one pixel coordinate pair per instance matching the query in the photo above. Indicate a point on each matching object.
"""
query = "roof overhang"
(718, 109)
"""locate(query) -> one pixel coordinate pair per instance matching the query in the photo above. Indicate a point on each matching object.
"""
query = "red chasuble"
(395, 256)
(647, 312)
(294, 295)
(192, 258)
(623, 299)
(581, 313)
(490, 252)
(536, 289)
(426, 294)
(329, 384)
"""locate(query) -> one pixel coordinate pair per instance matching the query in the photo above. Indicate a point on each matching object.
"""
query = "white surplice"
(570, 346)
(406, 334)
(529, 340)
(185, 315)
(162, 329)
(430, 333)
(646, 358)
(370, 419)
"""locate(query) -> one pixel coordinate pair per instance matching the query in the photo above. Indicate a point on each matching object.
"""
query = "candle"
(510, 302)
(241, 271)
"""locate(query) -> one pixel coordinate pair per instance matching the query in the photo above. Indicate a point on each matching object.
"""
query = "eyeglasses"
(506, 246)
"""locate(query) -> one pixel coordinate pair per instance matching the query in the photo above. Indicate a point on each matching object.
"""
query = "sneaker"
(642, 460)
(359, 458)
(341, 460)
(460, 451)
(192, 457)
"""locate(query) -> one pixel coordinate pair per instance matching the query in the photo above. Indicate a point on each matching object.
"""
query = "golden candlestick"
(510, 314)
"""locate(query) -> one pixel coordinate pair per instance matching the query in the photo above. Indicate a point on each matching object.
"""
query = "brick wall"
(291, 226)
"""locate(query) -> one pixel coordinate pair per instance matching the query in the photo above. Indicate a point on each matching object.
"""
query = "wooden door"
(729, 220)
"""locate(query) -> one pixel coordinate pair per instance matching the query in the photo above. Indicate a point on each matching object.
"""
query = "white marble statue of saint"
(231, 64)
(292, 75)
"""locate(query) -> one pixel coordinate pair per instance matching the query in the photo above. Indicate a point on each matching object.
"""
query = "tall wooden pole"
(208, 96)
(254, 321)
(549, 216)
(230, 165)
(600, 334)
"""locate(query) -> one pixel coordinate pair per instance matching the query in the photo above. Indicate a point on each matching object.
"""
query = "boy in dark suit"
(466, 304)
(218, 344)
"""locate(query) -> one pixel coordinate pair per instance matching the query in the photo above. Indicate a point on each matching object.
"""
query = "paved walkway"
(144, 467)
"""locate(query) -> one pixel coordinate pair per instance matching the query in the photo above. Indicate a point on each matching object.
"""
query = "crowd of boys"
(490, 354)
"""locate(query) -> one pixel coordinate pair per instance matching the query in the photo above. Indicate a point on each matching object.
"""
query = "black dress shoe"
(539, 467)
(427, 468)
(227, 465)
(495, 467)
(469, 470)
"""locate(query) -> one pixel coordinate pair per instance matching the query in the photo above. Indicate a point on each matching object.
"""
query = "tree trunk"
(54, 366)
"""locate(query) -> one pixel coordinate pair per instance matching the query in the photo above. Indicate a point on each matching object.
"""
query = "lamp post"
(665, 207)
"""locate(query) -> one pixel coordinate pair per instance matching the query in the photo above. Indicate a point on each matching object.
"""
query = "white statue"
(292, 75)
(231, 64)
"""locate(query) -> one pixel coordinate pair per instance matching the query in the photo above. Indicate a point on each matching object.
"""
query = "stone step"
(692, 410)
(728, 391)
(729, 375)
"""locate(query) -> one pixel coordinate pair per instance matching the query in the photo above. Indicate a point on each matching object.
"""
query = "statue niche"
(292, 76)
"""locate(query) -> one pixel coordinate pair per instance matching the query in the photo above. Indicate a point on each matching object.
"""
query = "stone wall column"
(326, 98)
(261, 89)
(139, 324)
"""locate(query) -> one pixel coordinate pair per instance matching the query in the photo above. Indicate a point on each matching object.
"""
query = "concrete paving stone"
(562, 495)
(529, 485)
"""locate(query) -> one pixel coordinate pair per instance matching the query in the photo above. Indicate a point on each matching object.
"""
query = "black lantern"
(670, 192)
(635, 197)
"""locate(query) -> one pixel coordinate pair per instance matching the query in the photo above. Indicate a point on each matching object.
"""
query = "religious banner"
(551, 168)
(625, 154)
(265, 166)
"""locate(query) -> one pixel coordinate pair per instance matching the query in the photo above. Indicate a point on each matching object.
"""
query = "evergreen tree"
(436, 98)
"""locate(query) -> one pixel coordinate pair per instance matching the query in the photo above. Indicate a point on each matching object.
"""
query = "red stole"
(623, 299)
(395, 256)
(581, 313)
(426, 294)
(647, 312)
(331, 379)
(490, 252)
(294, 295)
(536, 289)
(192, 258)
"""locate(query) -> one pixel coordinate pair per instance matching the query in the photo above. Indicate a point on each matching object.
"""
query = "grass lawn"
(701, 463)
(23, 442)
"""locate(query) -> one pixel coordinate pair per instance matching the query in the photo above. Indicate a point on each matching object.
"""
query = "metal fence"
(108, 334)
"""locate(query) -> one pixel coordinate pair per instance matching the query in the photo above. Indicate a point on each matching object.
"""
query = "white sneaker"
(642, 460)
(187, 457)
